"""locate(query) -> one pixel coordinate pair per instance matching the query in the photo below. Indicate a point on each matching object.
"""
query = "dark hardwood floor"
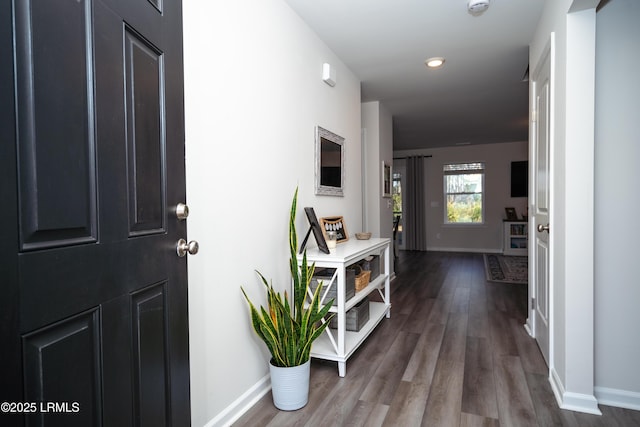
(454, 353)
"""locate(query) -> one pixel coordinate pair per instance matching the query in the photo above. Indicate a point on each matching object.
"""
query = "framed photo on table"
(316, 229)
(511, 214)
(335, 223)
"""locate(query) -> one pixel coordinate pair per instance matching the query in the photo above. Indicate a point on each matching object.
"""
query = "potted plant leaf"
(289, 329)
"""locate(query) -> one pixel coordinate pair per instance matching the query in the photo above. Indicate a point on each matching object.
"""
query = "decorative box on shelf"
(362, 278)
(356, 317)
(325, 275)
(372, 264)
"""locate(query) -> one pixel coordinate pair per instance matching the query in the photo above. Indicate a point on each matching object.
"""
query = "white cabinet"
(515, 238)
(339, 344)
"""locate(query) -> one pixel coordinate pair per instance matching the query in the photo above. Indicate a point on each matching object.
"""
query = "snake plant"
(289, 330)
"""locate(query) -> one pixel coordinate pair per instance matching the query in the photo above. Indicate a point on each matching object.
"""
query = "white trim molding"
(466, 250)
(618, 398)
(242, 404)
(586, 403)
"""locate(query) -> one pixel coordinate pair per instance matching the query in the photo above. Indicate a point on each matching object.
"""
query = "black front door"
(93, 298)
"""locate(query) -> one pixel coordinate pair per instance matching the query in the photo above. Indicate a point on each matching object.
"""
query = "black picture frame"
(314, 226)
(511, 214)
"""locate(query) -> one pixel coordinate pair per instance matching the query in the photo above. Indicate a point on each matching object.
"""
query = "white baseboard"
(618, 398)
(528, 327)
(242, 404)
(578, 402)
(470, 250)
(556, 385)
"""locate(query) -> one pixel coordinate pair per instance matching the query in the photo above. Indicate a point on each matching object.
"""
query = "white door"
(540, 205)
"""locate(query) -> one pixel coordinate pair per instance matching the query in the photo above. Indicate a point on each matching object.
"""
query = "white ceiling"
(478, 97)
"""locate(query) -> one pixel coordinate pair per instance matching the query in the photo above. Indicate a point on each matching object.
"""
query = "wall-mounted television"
(520, 179)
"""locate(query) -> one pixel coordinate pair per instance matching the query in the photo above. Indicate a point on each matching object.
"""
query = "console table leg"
(342, 368)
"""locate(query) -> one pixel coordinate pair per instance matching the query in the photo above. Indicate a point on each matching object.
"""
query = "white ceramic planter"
(290, 386)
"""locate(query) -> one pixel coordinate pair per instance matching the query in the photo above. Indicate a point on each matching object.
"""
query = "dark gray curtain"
(414, 224)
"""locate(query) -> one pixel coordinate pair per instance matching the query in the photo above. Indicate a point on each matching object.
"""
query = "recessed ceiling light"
(435, 62)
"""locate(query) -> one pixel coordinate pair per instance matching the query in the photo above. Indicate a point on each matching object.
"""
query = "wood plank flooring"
(454, 353)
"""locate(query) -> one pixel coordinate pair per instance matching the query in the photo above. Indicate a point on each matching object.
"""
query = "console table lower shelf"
(323, 348)
(339, 344)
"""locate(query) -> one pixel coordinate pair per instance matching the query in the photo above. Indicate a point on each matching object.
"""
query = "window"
(396, 196)
(463, 192)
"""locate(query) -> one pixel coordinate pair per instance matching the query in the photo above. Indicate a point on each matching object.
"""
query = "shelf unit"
(516, 238)
(339, 344)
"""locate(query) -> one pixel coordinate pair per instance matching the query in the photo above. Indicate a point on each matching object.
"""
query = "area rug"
(506, 269)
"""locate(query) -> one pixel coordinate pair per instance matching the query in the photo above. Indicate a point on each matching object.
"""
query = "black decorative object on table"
(511, 214)
(314, 226)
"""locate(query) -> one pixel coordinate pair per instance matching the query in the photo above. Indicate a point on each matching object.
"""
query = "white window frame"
(464, 168)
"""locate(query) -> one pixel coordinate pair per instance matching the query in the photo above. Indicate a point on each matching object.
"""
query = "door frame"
(572, 361)
(9, 326)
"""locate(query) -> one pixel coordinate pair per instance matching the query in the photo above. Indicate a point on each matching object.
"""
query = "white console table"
(516, 239)
(339, 344)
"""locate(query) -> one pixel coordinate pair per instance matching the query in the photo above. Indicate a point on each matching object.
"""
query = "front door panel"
(56, 143)
(95, 304)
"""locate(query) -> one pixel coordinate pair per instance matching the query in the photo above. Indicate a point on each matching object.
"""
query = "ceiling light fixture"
(477, 7)
(435, 62)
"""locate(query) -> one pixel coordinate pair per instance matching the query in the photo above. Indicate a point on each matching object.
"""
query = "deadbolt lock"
(182, 211)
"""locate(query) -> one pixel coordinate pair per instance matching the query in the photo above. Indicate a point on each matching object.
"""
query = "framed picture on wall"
(386, 180)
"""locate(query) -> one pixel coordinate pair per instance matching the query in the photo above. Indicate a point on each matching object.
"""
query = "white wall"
(253, 95)
(470, 238)
(377, 125)
(617, 200)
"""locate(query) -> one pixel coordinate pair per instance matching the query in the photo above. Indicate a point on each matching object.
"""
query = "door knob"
(542, 228)
(182, 211)
(183, 247)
